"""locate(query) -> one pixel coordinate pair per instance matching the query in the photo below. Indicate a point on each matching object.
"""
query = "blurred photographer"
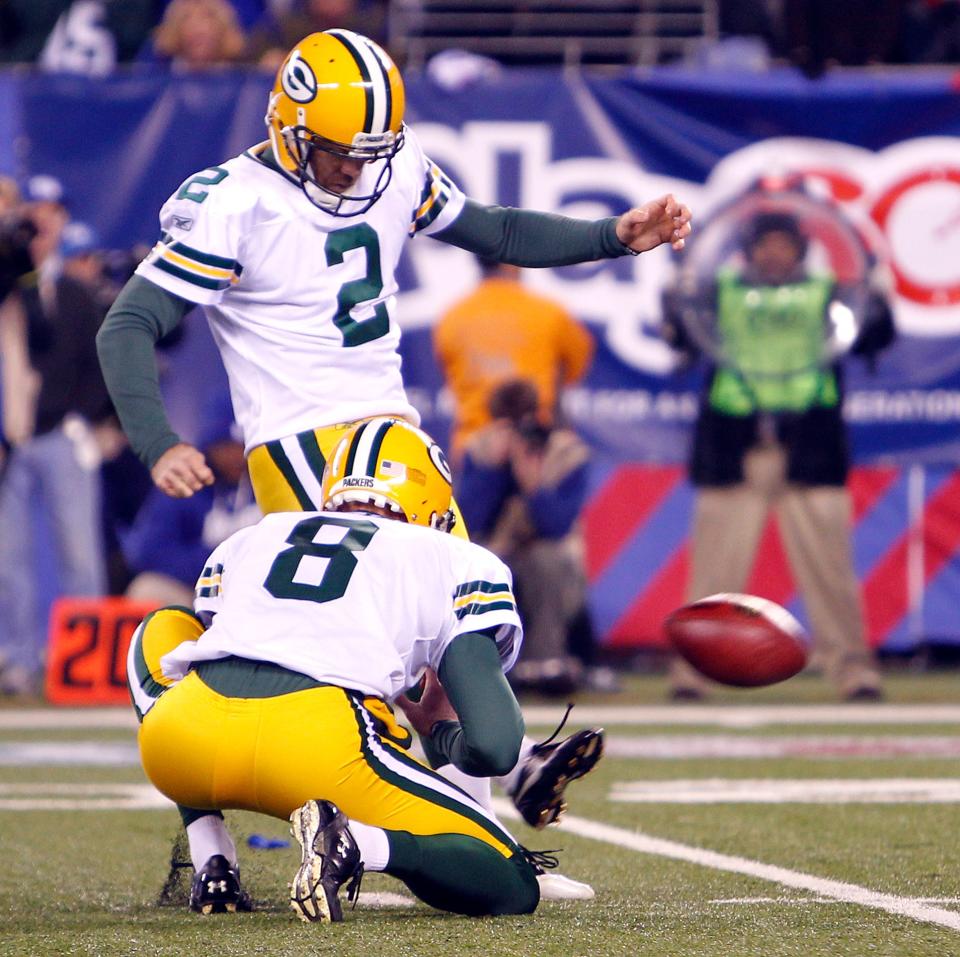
(521, 490)
(54, 459)
(16, 268)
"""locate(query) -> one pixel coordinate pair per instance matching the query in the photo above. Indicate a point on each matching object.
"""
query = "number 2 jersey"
(300, 302)
(353, 600)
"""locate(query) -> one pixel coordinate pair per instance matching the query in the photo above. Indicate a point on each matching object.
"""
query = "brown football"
(739, 640)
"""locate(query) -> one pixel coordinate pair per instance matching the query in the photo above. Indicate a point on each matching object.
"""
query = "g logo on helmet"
(298, 79)
(440, 461)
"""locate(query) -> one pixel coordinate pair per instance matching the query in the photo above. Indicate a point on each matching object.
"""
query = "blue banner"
(883, 149)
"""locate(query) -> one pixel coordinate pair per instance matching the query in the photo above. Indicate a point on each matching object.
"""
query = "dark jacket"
(61, 339)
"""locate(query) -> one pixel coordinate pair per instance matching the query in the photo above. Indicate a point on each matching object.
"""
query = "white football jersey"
(300, 302)
(354, 600)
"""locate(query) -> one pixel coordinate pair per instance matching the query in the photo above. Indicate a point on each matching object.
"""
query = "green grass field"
(875, 872)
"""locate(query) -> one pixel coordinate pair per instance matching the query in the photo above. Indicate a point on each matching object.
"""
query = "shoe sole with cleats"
(307, 896)
(576, 756)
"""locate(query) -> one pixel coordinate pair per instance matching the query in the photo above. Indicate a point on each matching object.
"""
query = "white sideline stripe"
(836, 890)
(724, 716)
(785, 791)
(40, 719)
(748, 716)
(19, 754)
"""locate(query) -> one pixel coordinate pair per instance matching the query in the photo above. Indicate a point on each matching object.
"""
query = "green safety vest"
(774, 338)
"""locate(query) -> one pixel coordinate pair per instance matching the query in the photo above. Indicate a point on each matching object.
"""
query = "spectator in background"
(83, 261)
(16, 266)
(250, 12)
(931, 31)
(125, 482)
(522, 487)
(74, 36)
(197, 35)
(502, 331)
(171, 537)
(778, 441)
(823, 33)
(280, 30)
(56, 458)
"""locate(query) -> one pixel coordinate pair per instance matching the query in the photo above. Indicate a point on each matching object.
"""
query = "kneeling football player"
(317, 623)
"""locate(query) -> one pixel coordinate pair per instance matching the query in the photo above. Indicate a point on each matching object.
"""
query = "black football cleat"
(330, 859)
(539, 794)
(216, 889)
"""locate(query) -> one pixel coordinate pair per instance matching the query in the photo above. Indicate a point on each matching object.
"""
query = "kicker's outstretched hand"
(660, 221)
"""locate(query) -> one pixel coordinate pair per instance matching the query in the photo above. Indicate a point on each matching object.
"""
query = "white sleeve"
(196, 257)
(483, 599)
(208, 594)
(440, 201)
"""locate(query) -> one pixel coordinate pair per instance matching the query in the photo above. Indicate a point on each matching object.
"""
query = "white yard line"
(724, 716)
(17, 797)
(794, 901)
(43, 796)
(743, 745)
(834, 890)
(786, 791)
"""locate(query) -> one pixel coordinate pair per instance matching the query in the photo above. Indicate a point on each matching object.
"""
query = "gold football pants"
(204, 750)
(286, 474)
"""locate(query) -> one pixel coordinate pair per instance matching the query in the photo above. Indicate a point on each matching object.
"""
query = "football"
(739, 640)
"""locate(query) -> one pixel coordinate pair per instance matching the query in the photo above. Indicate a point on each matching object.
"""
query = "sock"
(373, 844)
(477, 788)
(462, 874)
(509, 780)
(208, 835)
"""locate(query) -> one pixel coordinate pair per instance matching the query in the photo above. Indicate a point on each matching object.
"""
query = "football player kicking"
(292, 249)
(276, 695)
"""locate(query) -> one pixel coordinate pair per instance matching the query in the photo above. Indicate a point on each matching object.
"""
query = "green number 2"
(341, 564)
(360, 236)
(209, 177)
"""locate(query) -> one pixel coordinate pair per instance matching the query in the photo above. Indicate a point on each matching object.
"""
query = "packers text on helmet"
(391, 464)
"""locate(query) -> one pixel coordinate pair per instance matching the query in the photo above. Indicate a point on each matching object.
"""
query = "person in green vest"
(770, 434)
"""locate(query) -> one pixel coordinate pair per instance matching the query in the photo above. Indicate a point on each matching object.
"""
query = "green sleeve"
(485, 742)
(141, 314)
(527, 238)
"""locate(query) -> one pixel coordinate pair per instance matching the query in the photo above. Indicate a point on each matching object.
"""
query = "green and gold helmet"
(340, 93)
(391, 464)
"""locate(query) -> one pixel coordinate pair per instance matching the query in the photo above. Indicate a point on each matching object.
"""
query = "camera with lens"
(533, 432)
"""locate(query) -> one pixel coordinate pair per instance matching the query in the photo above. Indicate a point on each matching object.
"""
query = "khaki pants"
(815, 527)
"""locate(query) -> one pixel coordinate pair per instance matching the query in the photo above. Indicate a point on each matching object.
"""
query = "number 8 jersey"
(354, 600)
(300, 302)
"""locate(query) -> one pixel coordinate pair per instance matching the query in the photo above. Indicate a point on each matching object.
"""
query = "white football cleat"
(556, 887)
